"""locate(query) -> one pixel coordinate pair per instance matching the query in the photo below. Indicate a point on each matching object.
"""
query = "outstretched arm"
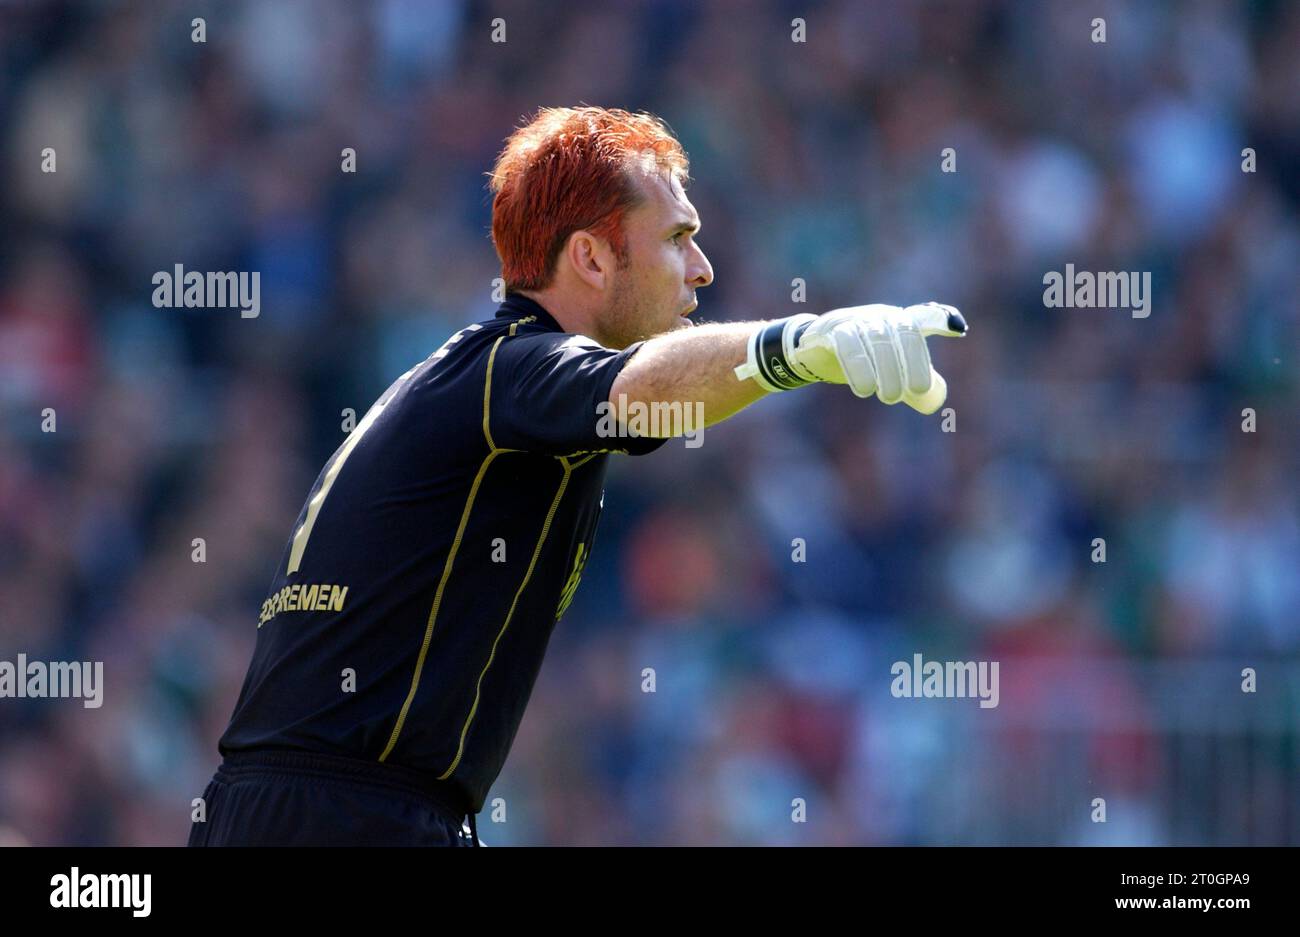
(876, 349)
(689, 365)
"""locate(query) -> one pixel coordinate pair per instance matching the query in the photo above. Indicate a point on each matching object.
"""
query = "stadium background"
(817, 160)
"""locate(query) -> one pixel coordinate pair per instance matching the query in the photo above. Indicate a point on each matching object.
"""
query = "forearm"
(692, 366)
(879, 350)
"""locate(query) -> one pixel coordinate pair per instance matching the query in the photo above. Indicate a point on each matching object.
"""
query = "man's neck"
(563, 310)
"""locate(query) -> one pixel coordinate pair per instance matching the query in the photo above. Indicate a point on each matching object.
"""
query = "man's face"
(655, 291)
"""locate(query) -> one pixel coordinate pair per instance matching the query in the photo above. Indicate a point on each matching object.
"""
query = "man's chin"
(681, 322)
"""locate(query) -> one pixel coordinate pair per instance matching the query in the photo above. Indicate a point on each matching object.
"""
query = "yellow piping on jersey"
(437, 600)
(487, 393)
(493, 452)
(537, 551)
(487, 384)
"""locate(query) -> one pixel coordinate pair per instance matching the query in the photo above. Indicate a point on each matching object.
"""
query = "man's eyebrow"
(690, 224)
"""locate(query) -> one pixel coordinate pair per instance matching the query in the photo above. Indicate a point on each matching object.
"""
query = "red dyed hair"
(569, 169)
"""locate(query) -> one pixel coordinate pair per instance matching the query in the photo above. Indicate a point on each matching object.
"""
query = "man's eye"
(679, 234)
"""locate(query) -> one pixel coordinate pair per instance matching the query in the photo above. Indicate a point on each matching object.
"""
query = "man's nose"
(700, 271)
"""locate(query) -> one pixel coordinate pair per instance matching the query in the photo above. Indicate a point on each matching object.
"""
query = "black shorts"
(289, 798)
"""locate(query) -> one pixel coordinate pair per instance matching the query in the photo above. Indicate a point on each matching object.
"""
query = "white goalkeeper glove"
(875, 349)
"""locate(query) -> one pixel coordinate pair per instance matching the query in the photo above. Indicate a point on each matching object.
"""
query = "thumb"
(933, 398)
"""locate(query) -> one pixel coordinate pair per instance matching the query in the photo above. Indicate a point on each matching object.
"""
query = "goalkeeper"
(409, 614)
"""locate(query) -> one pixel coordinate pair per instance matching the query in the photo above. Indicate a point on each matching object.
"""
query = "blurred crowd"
(816, 160)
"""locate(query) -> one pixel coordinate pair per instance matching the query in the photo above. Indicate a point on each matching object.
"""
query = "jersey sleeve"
(550, 394)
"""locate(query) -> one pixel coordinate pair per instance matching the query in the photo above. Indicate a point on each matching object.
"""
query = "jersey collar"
(519, 306)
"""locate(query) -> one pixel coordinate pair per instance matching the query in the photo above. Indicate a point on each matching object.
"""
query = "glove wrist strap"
(770, 358)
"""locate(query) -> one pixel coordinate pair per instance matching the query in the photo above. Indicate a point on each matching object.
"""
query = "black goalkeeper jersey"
(438, 548)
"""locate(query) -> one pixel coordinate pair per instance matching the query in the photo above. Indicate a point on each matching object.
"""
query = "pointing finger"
(937, 319)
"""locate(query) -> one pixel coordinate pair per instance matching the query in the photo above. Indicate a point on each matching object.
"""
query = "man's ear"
(590, 257)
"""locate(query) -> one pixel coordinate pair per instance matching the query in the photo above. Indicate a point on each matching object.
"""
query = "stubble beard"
(625, 316)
